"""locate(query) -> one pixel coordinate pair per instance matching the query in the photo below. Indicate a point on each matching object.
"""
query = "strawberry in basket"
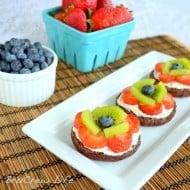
(88, 16)
(82, 4)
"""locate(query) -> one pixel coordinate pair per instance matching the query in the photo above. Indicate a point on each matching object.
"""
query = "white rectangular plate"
(52, 130)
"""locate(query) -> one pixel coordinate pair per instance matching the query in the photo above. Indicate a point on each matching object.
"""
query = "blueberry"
(2, 47)
(44, 65)
(41, 59)
(7, 46)
(35, 68)
(148, 90)
(16, 66)
(28, 63)
(48, 54)
(25, 71)
(105, 121)
(38, 45)
(32, 50)
(176, 66)
(10, 57)
(15, 49)
(3, 53)
(21, 55)
(15, 42)
(49, 60)
(5, 66)
(34, 57)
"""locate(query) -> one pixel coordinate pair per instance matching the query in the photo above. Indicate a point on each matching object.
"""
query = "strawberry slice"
(185, 79)
(90, 140)
(120, 143)
(168, 101)
(158, 67)
(151, 109)
(166, 78)
(134, 123)
(128, 97)
(78, 120)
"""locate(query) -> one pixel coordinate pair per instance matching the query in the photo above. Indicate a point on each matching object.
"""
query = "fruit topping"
(134, 123)
(183, 79)
(128, 97)
(148, 90)
(144, 99)
(91, 140)
(105, 121)
(108, 125)
(166, 78)
(89, 122)
(160, 92)
(151, 96)
(172, 70)
(168, 101)
(151, 109)
(120, 143)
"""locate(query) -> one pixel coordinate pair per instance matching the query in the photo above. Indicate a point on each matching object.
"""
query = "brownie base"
(100, 155)
(149, 121)
(175, 91)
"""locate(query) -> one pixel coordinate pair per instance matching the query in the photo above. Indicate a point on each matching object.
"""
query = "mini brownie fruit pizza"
(175, 74)
(106, 133)
(149, 101)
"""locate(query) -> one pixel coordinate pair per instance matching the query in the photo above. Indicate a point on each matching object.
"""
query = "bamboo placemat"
(26, 165)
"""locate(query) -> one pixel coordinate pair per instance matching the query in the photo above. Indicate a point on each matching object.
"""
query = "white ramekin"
(21, 90)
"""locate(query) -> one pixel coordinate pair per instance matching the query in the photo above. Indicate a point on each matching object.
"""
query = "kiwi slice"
(115, 112)
(166, 66)
(160, 92)
(89, 122)
(145, 81)
(185, 62)
(116, 130)
(178, 72)
(141, 97)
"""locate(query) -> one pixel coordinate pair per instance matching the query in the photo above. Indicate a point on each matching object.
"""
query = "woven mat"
(26, 165)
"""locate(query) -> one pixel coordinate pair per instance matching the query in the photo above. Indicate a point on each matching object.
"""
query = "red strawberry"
(151, 110)
(107, 17)
(185, 79)
(76, 18)
(168, 101)
(59, 15)
(120, 143)
(128, 97)
(83, 4)
(104, 4)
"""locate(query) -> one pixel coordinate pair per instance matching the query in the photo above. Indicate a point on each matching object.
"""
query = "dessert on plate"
(149, 101)
(175, 74)
(106, 133)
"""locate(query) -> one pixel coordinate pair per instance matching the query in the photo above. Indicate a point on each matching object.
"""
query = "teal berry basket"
(86, 51)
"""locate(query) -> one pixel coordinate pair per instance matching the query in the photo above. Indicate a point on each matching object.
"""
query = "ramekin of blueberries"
(27, 72)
